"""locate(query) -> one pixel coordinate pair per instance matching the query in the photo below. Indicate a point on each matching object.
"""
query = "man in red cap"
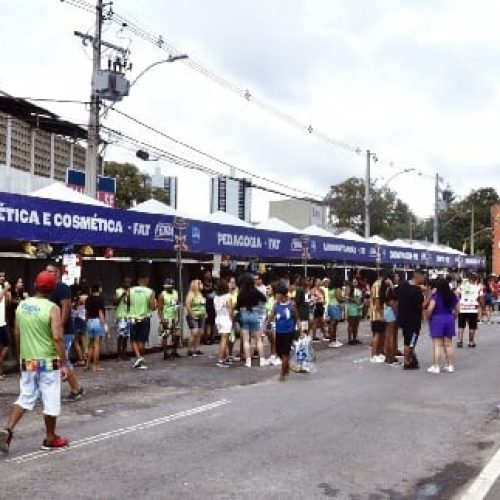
(39, 334)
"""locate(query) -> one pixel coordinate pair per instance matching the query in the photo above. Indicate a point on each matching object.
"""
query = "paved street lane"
(353, 430)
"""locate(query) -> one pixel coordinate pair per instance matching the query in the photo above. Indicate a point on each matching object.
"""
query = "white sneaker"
(376, 359)
(336, 344)
(449, 369)
(382, 358)
(138, 362)
(263, 362)
(248, 363)
(434, 369)
(273, 361)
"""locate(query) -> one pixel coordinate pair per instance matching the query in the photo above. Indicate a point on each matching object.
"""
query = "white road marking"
(119, 432)
(483, 483)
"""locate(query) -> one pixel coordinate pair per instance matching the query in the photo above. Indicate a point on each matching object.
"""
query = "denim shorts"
(41, 385)
(195, 323)
(123, 327)
(389, 315)
(250, 321)
(95, 328)
(334, 313)
(68, 344)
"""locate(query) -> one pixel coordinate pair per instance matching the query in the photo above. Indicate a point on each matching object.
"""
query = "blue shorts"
(195, 323)
(95, 328)
(68, 344)
(389, 315)
(334, 313)
(250, 321)
(123, 327)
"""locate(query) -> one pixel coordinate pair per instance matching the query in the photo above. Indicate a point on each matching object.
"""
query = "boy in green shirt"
(142, 304)
(168, 310)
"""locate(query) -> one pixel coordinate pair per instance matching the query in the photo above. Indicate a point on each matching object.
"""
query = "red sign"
(495, 219)
(75, 187)
(107, 198)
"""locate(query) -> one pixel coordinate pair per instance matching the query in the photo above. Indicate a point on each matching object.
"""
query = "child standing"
(287, 322)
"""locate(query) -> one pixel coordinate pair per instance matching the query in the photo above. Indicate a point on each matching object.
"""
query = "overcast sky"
(415, 81)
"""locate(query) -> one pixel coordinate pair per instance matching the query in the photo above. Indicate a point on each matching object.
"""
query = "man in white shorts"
(39, 333)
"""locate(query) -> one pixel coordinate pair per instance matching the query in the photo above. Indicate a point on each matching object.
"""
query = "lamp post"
(304, 238)
(170, 59)
(180, 246)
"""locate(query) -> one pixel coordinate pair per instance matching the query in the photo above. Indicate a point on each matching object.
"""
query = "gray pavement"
(353, 430)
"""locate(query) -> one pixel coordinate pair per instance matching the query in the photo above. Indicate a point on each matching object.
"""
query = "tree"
(390, 217)
(132, 185)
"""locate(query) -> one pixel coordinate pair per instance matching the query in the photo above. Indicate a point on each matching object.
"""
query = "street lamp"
(170, 59)
(392, 177)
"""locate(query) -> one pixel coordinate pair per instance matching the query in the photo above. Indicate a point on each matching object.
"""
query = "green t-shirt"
(33, 317)
(270, 305)
(332, 297)
(170, 300)
(140, 297)
(354, 304)
(198, 306)
(122, 307)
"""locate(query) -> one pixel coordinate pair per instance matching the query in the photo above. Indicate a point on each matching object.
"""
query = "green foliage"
(390, 217)
(132, 185)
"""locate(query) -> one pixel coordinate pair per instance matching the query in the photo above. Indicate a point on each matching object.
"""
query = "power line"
(209, 156)
(130, 143)
(163, 44)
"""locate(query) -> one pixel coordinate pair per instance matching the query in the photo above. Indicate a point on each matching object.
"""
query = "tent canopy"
(317, 231)
(60, 192)
(153, 206)
(220, 217)
(274, 224)
(350, 235)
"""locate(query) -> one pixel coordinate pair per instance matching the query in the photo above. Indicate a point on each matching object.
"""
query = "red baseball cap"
(45, 281)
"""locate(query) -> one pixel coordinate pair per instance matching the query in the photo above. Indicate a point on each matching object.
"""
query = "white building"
(233, 196)
(168, 184)
(298, 213)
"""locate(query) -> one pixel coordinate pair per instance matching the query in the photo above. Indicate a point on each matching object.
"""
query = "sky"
(415, 81)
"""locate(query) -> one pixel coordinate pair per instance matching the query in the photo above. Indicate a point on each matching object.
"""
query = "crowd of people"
(60, 320)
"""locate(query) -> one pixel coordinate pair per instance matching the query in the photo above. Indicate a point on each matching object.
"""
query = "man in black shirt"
(410, 300)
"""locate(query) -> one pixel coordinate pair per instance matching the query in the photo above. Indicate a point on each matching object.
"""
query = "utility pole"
(369, 156)
(472, 234)
(94, 119)
(436, 211)
(411, 229)
(367, 194)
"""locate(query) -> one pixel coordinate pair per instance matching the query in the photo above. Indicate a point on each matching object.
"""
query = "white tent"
(153, 206)
(60, 192)
(350, 235)
(274, 224)
(220, 217)
(378, 240)
(317, 231)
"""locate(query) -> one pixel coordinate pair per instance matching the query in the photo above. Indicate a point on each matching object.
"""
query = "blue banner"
(26, 218)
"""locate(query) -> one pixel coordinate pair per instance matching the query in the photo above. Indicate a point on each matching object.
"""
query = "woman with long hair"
(391, 329)
(335, 300)
(319, 309)
(249, 300)
(441, 311)
(223, 319)
(97, 325)
(195, 316)
(487, 299)
(354, 311)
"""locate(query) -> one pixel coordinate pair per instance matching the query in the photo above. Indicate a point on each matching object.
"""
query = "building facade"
(168, 184)
(233, 196)
(35, 141)
(298, 213)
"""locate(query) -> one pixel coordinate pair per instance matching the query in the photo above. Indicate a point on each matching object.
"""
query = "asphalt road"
(352, 430)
